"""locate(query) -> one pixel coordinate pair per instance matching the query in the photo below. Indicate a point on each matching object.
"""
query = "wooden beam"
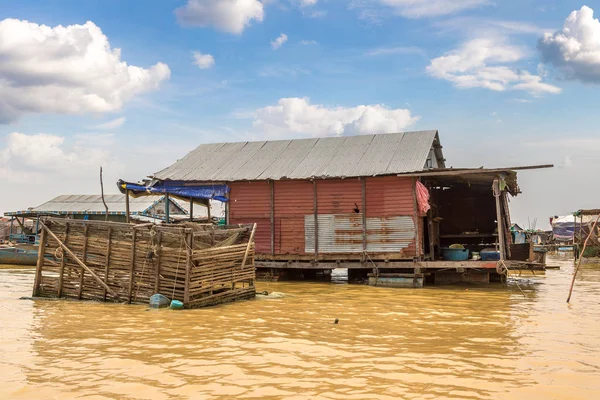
(500, 225)
(63, 261)
(86, 230)
(473, 171)
(316, 217)
(78, 261)
(131, 264)
(107, 259)
(272, 187)
(127, 216)
(40, 264)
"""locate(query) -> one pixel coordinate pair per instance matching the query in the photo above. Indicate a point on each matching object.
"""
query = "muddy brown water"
(481, 343)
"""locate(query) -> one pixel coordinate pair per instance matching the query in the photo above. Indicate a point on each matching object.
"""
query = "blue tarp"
(178, 189)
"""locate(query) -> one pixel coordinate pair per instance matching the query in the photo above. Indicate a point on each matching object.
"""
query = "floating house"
(382, 205)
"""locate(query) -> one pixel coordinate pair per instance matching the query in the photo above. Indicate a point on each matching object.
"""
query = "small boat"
(18, 256)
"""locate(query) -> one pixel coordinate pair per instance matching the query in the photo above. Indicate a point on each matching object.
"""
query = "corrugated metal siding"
(390, 234)
(339, 196)
(333, 157)
(392, 196)
(293, 200)
(337, 233)
(344, 233)
(250, 202)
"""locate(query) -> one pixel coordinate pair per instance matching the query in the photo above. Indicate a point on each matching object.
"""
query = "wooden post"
(159, 247)
(63, 261)
(40, 262)
(497, 195)
(131, 264)
(208, 210)
(591, 232)
(417, 219)
(84, 259)
(167, 207)
(272, 187)
(431, 235)
(78, 261)
(189, 242)
(107, 259)
(364, 216)
(316, 217)
(127, 206)
(227, 208)
(191, 209)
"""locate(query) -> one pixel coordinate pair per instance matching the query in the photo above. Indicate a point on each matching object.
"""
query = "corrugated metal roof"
(331, 157)
(92, 204)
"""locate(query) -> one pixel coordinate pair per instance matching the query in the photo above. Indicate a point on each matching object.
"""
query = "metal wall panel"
(389, 196)
(390, 234)
(293, 200)
(250, 202)
(339, 196)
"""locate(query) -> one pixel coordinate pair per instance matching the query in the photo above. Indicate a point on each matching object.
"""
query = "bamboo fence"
(198, 264)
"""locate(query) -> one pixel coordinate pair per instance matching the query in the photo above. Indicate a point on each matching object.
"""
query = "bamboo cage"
(197, 264)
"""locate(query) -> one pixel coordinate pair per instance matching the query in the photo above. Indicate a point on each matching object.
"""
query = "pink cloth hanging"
(422, 198)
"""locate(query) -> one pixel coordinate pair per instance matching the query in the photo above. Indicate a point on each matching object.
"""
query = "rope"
(502, 269)
(374, 265)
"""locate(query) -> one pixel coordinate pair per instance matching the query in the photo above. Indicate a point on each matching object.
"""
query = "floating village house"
(384, 205)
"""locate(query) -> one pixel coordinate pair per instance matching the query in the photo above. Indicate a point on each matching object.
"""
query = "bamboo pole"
(191, 209)
(189, 243)
(131, 264)
(159, 256)
(78, 261)
(107, 260)
(248, 247)
(581, 256)
(40, 263)
(86, 230)
(316, 217)
(102, 193)
(63, 262)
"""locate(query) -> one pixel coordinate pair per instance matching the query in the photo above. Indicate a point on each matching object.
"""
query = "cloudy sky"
(134, 85)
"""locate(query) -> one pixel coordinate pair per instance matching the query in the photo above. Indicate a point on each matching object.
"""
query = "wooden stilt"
(191, 209)
(497, 194)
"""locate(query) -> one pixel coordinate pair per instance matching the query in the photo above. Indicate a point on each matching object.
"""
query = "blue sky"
(504, 82)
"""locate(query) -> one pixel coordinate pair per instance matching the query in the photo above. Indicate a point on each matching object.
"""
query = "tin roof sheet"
(331, 157)
(92, 204)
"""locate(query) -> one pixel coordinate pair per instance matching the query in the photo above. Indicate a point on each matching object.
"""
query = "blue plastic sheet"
(178, 189)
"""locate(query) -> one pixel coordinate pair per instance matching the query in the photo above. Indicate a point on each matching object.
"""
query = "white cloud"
(66, 70)
(293, 117)
(42, 155)
(309, 42)
(112, 124)
(486, 63)
(478, 26)
(232, 16)
(575, 50)
(277, 43)
(203, 61)
(307, 3)
(371, 9)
